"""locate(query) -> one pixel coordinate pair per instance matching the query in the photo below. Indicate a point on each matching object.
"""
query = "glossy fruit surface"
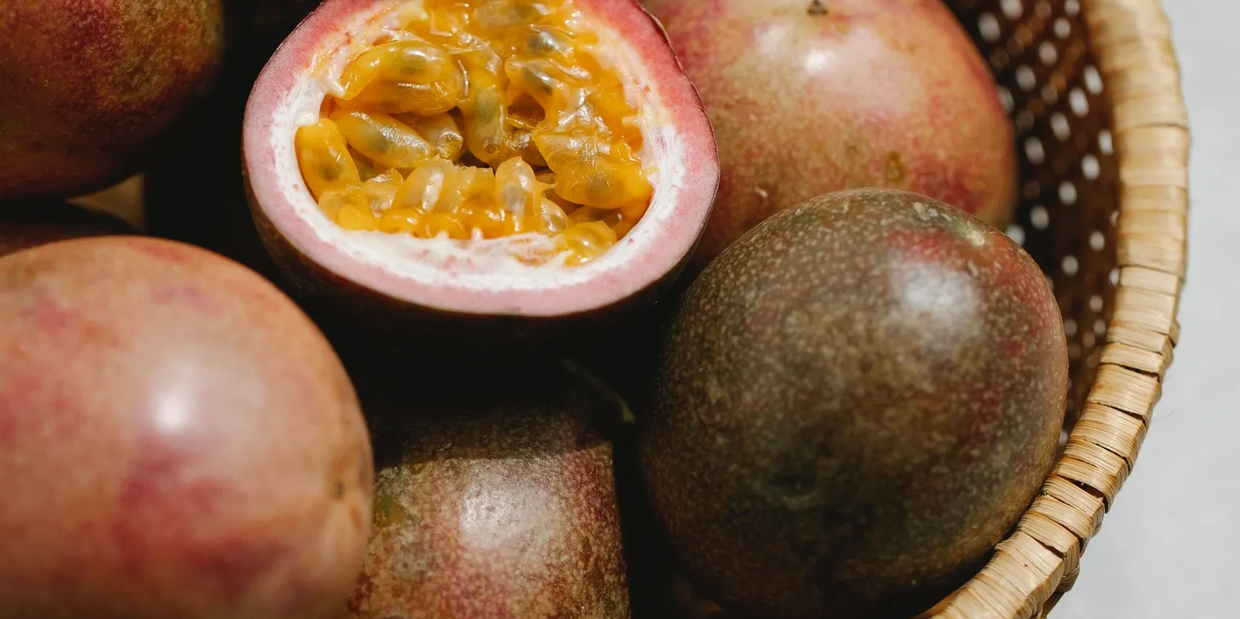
(813, 96)
(492, 503)
(855, 403)
(176, 440)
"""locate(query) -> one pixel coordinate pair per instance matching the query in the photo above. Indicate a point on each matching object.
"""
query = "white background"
(1170, 547)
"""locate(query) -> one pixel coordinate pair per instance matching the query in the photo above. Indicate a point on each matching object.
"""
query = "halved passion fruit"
(539, 159)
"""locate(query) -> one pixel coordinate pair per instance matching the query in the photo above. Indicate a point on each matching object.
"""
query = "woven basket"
(1094, 90)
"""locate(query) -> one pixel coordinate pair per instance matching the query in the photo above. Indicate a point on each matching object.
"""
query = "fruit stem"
(816, 7)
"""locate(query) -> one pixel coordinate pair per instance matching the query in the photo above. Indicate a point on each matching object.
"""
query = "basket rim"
(1033, 567)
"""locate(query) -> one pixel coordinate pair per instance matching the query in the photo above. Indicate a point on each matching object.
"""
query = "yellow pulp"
(481, 119)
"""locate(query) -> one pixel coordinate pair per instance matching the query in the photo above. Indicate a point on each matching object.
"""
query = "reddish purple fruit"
(813, 96)
(91, 89)
(494, 500)
(176, 440)
(855, 403)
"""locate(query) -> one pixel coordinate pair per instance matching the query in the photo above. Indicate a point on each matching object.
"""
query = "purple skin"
(92, 89)
(176, 440)
(855, 403)
(811, 97)
(495, 499)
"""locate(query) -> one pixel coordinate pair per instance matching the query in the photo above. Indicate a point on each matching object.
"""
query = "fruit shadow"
(471, 410)
(195, 191)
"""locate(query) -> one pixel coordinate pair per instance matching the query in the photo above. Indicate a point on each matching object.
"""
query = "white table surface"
(1170, 546)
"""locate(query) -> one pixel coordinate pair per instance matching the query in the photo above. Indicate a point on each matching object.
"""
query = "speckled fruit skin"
(176, 440)
(91, 87)
(855, 404)
(27, 224)
(356, 300)
(493, 501)
(812, 97)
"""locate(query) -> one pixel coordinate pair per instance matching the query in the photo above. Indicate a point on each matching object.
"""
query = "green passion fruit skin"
(92, 89)
(176, 440)
(492, 501)
(470, 296)
(809, 97)
(855, 403)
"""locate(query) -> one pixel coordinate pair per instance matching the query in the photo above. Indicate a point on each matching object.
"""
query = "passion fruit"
(813, 96)
(25, 225)
(491, 503)
(176, 440)
(855, 403)
(513, 168)
(90, 89)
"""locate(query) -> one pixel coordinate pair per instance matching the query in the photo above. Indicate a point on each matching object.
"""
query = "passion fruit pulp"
(403, 118)
(531, 161)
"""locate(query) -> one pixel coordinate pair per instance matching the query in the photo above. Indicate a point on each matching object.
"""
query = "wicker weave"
(1094, 89)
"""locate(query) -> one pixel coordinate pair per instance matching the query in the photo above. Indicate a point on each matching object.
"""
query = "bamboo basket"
(1093, 88)
(1102, 132)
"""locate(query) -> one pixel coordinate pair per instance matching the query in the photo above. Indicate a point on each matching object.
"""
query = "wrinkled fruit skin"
(90, 88)
(27, 224)
(176, 440)
(869, 93)
(492, 502)
(857, 401)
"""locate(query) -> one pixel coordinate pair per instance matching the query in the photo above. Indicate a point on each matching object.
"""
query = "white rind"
(482, 265)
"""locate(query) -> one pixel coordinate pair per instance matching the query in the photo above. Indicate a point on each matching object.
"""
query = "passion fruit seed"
(383, 139)
(513, 84)
(440, 131)
(324, 158)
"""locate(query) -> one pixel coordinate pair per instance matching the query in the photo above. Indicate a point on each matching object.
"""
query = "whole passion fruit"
(813, 96)
(856, 402)
(513, 166)
(90, 88)
(176, 440)
(27, 224)
(493, 503)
